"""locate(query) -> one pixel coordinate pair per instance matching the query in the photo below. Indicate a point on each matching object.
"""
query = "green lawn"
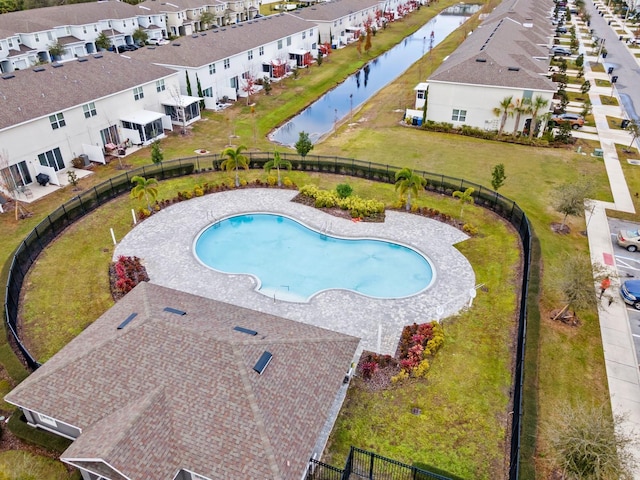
(464, 397)
(21, 465)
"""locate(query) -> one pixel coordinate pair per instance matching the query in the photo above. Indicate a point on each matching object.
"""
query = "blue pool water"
(292, 262)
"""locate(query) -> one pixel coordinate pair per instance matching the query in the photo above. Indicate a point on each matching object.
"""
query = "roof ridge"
(257, 414)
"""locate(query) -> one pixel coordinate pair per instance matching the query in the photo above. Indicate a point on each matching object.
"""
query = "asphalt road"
(624, 63)
(628, 264)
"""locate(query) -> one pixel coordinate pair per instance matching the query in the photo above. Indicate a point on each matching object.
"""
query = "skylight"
(263, 362)
(245, 330)
(174, 310)
(127, 320)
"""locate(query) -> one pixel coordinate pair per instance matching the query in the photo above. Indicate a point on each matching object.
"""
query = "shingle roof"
(156, 6)
(499, 53)
(168, 392)
(328, 11)
(41, 19)
(214, 45)
(29, 94)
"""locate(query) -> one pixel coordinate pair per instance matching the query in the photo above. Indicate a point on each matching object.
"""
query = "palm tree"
(465, 197)
(537, 105)
(235, 160)
(521, 107)
(277, 163)
(145, 188)
(409, 182)
(504, 110)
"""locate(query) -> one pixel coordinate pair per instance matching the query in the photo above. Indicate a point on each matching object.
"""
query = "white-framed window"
(311, 32)
(57, 121)
(49, 36)
(250, 55)
(314, 46)
(304, 35)
(95, 28)
(84, 29)
(52, 158)
(89, 110)
(420, 94)
(37, 37)
(261, 51)
(227, 63)
(212, 69)
(10, 43)
(207, 92)
(280, 44)
(459, 115)
(68, 30)
(160, 86)
(289, 40)
(138, 93)
(48, 420)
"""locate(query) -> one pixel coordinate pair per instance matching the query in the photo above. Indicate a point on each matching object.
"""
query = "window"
(250, 54)
(37, 37)
(57, 121)
(10, 43)
(527, 95)
(311, 32)
(234, 82)
(279, 44)
(84, 29)
(304, 35)
(160, 86)
(227, 64)
(138, 93)
(48, 420)
(95, 28)
(261, 51)
(89, 110)
(49, 36)
(289, 41)
(212, 69)
(459, 115)
(17, 174)
(207, 92)
(52, 158)
(314, 46)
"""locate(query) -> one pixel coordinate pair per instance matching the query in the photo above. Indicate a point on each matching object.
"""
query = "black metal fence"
(363, 464)
(77, 207)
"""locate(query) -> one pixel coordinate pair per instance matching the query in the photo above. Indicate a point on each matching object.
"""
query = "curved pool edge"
(279, 295)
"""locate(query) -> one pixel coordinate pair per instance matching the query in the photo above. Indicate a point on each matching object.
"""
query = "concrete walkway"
(621, 363)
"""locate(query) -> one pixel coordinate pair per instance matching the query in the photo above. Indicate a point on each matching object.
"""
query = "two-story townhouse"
(506, 57)
(223, 59)
(52, 113)
(153, 23)
(340, 22)
(74, 27)
(231, 398)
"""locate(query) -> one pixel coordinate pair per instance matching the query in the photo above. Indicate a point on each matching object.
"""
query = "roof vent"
(203, 34)
(245, 330)
(263, 362)
(151, 48)
(481, 60)
(82, 59)
(194, 36)
(176, 44)
(514, 69)
(127, 320)
(97, 55)
(8, 76)
(38, 69)
(174, 310)
(223, 29)
(57, 65)
(233, 26)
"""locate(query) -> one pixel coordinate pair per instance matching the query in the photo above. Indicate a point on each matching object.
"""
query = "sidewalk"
(621, 363)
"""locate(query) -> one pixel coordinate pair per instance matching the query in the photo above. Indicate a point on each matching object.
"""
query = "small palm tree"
(235, 160)
(408, 182)
(537, 105)
(465, 197)
(277, 162)
(504, 110)
(145, 188)
(520, 107)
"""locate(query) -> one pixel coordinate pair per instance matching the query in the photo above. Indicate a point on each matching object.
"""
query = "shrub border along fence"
(79, 206)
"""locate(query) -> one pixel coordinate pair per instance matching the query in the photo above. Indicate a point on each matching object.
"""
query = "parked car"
(561, 30)
(157, 41)
(576, 121)
(560, 51)
(630, 293)
(126, 48)
(629, 239)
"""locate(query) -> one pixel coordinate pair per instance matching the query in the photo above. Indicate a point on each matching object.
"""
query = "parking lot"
(628, 265)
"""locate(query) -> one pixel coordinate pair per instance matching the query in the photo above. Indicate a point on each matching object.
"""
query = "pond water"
(321, 117)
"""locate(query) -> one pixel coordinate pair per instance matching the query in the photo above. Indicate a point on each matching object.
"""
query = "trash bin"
(610, 70)
(620, 38)
(85, 159)
(624, 123)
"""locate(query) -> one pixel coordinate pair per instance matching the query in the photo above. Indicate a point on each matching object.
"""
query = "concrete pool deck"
(164, 243)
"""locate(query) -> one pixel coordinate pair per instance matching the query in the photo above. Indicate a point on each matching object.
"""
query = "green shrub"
(344, 190)
(287, 182)
(470, 229)
(272, 181)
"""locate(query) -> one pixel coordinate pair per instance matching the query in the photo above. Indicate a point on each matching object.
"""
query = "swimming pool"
(292, 262)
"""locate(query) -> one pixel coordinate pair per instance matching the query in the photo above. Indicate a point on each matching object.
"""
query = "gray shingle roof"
(40, 19)
(169, 391)
(29, 94)
(328, 11)
(156, 6)
(501, 53)
(199, 50)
